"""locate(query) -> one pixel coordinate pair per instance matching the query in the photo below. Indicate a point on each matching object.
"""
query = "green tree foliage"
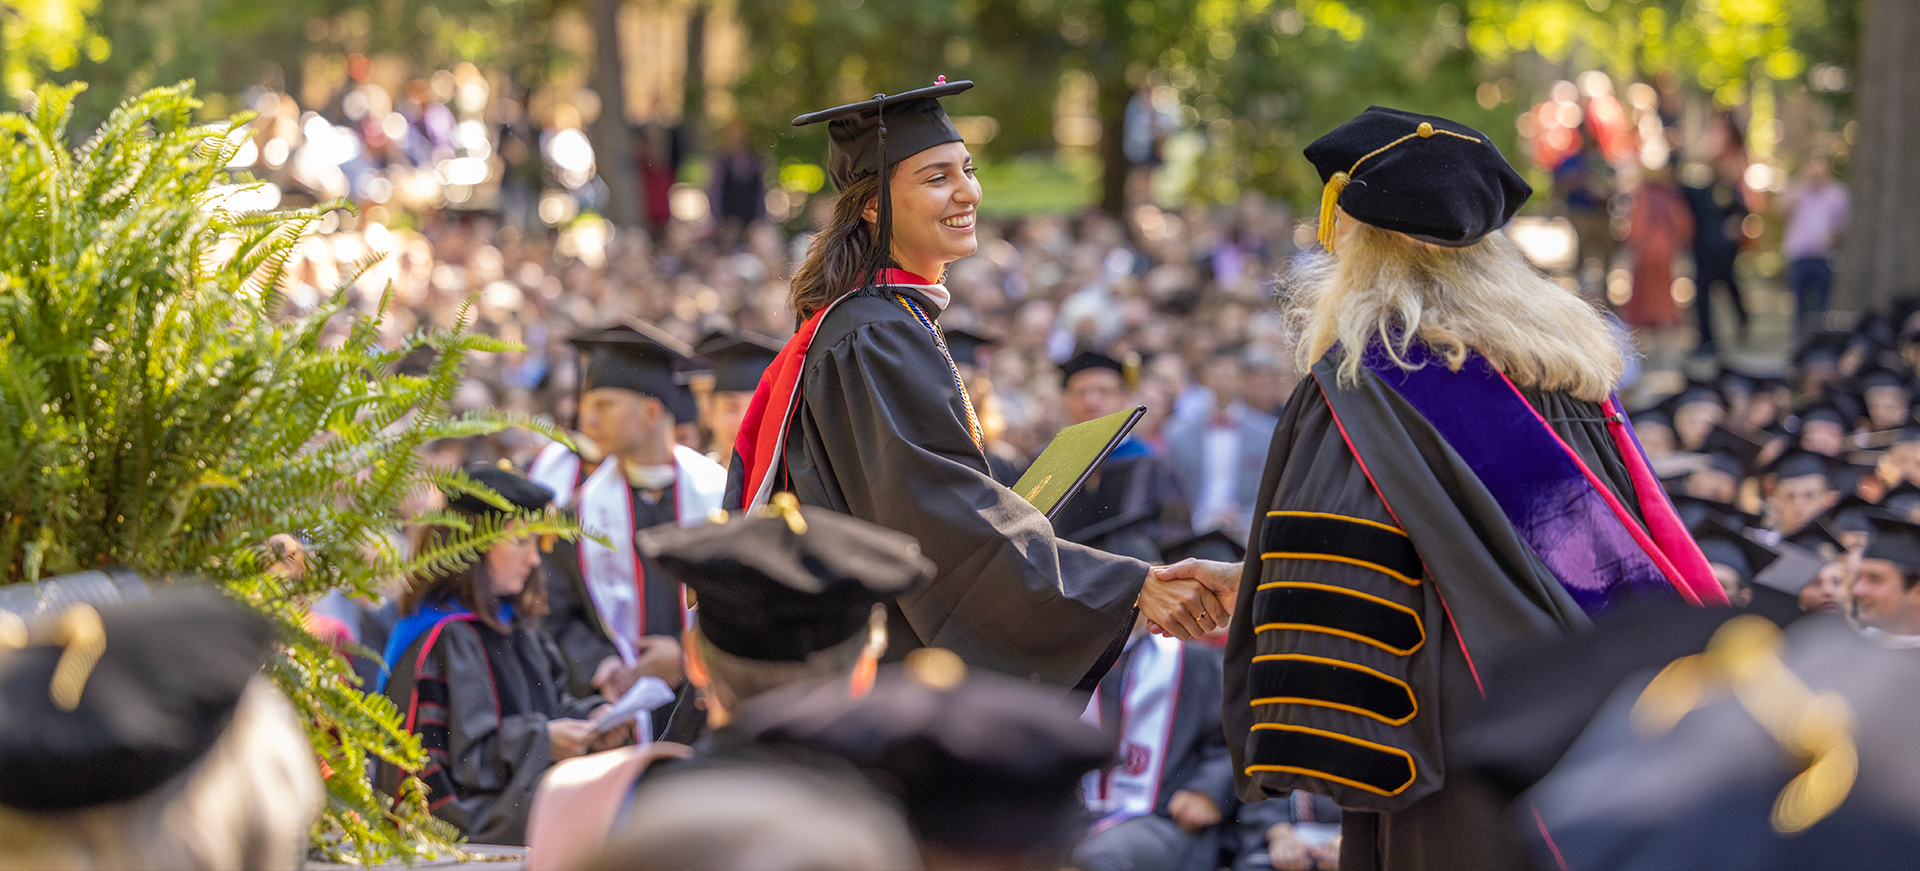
(155, 415)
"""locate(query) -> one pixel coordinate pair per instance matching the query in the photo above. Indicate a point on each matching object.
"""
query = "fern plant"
(155, 415)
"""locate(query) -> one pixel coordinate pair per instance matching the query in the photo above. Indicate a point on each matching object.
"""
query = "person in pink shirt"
(1816, 217)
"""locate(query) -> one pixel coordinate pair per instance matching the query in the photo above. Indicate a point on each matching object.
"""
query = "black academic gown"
(880, 433)
(1131, 507)
(1481, 583)
(480, 701)
(571, 617)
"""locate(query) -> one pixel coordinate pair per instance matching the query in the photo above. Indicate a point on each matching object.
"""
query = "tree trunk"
(1881, 259)
(1112, 103)
(693, 102)
(612, 140)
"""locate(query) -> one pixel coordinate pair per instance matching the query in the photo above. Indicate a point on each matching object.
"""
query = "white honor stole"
(556, 469)
(1149, 693)
(614, 577)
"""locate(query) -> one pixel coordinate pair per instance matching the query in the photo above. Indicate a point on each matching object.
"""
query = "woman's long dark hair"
(843, 256)
(470, 586)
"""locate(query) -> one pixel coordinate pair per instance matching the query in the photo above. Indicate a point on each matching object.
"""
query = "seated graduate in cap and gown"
(614, 618)
(865, 413)
(738, 360)
(785, 595)
(1132, 505)
(478, 678)
(1454, 476)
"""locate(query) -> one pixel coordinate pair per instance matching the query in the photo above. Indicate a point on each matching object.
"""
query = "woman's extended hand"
(1183, 609)
(1220, 580)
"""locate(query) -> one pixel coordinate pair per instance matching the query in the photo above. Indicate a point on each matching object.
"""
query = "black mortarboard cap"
(1850, 513)
(1085, 360)
(1903, 500)
(1816, 536)
(1895, 540)
(738, 360)
(767, 592)
(523, 495)
(1726, 543)
(913, 122)
(1743, 448)
(1651, 416)
(1821, 347)
(1823, 413)
(965, 345)
(1799, 462)
(1436, 180)
(1696, 391)
(1694, 510)
(980, 761)
(634, 356)
(163, 691)
(1881, 376)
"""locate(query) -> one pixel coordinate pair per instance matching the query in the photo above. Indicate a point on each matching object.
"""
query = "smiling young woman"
(863, 412)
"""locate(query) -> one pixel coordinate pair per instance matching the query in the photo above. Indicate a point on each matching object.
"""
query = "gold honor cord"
(1815, 727)
(1330, 195)
(82, 639)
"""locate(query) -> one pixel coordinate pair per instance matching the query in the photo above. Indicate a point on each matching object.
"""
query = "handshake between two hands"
(1190, 598)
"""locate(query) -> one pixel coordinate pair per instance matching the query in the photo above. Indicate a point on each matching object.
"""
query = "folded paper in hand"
(637, 704)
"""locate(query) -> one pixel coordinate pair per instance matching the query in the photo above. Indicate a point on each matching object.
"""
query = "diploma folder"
(1073, 455)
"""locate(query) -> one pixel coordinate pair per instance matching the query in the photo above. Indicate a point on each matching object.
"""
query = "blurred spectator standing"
(1661, 227)
(1817, 209)
(1717, 199)
(739, 188)
(1217, 455)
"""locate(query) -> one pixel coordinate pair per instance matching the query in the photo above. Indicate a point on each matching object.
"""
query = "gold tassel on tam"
(1330, 195)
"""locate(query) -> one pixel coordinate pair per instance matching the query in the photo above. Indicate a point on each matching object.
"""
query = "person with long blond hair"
(1454, 476)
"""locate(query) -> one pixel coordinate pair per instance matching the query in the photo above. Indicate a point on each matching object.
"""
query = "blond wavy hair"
(1390, 288)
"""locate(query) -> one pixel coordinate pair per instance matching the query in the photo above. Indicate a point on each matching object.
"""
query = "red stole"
(761, 439)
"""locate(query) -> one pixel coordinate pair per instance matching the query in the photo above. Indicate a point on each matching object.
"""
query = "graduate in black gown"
(616, 619)
(1454, 477)
(1131, 505)
(864, 413)
(481, 682)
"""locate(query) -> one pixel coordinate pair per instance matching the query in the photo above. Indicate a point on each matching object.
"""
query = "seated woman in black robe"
(479, 680)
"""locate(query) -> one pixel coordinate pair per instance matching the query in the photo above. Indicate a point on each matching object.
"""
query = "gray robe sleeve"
(883, 436)
(494, 761)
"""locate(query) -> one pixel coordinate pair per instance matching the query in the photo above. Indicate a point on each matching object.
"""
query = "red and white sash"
(614, 577)
(1149, 693)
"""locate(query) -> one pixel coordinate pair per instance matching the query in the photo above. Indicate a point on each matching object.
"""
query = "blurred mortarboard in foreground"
(634, 356)
(900, 125)
(1817, 536)
(1694, 393)
(521, 494)
(738, 359)
(1745, 448)
(777, 587)
(981, 761)
(1436, 180)
(1741, 749)
(169, 674)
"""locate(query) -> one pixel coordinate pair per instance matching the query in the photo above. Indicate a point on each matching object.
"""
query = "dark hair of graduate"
(468, 586)
(843, 256)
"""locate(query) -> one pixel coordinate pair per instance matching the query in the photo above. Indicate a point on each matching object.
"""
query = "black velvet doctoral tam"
(1436, 180)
